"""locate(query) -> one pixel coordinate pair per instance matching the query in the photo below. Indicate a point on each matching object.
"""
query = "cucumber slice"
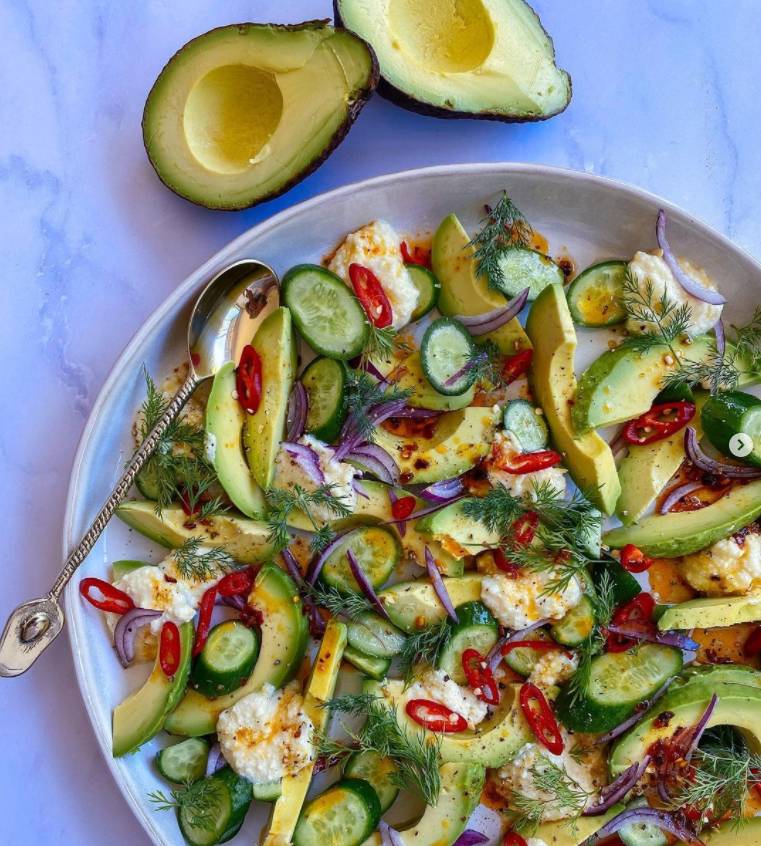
(445, 349)
(427, 288)
(325, 383)
(146, 481)
(375, 668)
(617, 683)
(345, 814)
(327, 314)
(378, 771)
(624, 586)
(226, 802)
(731, 413)
(374, 636)
(641, 834)
(527, 424)
(377, 550)
(522, 660)
(522, 268)
(226, 660)
(184, 761)
(475, 629)
(595, 297)
(269, 792)
(678, 392)
(577, 625)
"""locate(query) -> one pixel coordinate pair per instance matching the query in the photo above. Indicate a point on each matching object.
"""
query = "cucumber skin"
(354, 769)
(241, 795)
(471, 615)
(423, 307)
(374, 668)
(330, 429)
(577, 288)
(723, 416)
(560, 630)
(337, 574)
(465, 382)
(167, 772)
(210, 682)
(624, 586)
(362, 790)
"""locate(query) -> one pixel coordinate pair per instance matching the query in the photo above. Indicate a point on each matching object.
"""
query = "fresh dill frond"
(352, 703)
(580, 753)
(717, 371)
(424, 647)
(553, 553)
(604, 599)
(748, 341)
(282, 503)
(670, 320)
(381, 344)
(193, 563)
(364, 393)
(350, 605)
(195, 479)
(487, 365)
(504, 228)
(199, 800)
(498, 510)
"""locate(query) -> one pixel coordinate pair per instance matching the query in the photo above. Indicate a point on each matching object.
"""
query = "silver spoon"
(224, 319)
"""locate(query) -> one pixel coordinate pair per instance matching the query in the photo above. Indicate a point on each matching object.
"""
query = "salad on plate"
(409, 553)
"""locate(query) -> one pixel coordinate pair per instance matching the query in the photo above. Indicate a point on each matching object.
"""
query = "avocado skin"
(409, 102)
(358, 103)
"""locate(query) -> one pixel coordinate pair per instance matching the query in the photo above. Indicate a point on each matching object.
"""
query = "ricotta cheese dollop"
(266, 735)
(504, 447)
(377, 247)
(517, 602)
(553, 668)
(731, 567)
(437, 686)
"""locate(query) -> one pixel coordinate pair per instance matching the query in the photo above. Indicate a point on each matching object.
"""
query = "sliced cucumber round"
(345, 814)
(226, 801)
(325, 382)
(377, 550)
(378, 771)
(475, 629)
(577, 625)
(427, 287)
(374, 668)
(445, 350)
(327, 314)
(527, 424)
(226, 660)
(595, 297)
(185, 761)
(641, 834)
(374, 636)
(732, 413)
(522, 659)
(522, 268)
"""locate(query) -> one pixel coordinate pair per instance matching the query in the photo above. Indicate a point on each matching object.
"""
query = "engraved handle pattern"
(125, 483)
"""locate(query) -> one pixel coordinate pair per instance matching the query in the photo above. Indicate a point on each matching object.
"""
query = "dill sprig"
(552, 554)
(381, 344)
(283, 502)
(200, 800)
(415, 755)
(424, 647)
(198, 479)
(363, 393)
(671, 321)
(350, 605)
(200, 565)
(717, 371)
(504, 228)
(748, 341)
(487, 366)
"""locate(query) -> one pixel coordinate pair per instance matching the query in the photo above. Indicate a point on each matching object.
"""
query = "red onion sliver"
(372, 466)
(701, 727)
(635, 718)
(350, 437)
(721, 338)
(466, 368)
(401, 524)
(298, 408)
(438, 585)
(315, 566)
(690, 285)
(482, 324)
(618, 788)
(306, 458)
(648, 632)
(316, 623)
(495, 653)
(421, 413)
(711, 465)
(444, 491)
(471, 837)
(216, 759)
(383, 830)
(677, 494)
(364, 585)
(651, 816)
(359, 489)
(126, 629)
(236, 602)
(378, 455)
(618, 443)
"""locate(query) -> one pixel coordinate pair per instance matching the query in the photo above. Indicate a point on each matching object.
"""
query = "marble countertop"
(91, 243)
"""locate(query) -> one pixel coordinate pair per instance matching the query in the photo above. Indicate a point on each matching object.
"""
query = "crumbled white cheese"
(288, 473)
(504, 447)
(377, 247)
(731, 567)
(535, 841)
(553, 668)
(651, 267)
(519, 601)
(266, 735)
(437, 686)
(210, 443)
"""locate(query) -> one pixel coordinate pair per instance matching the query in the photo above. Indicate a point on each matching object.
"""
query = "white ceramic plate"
(585, 216)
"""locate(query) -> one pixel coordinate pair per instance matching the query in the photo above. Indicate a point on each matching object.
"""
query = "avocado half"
(244, 112)
(486, 59)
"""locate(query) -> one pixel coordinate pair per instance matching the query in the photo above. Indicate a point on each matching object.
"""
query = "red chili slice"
(234, 584)
(513, 839)
(170, 649)
(403, 507)
(418, 256)
(516, 366)
(640, 608)
(533, 644)
(634, 559)
(370, 293)
(114, 600)
(524, 528)
(541, 719)
(205, 610)
(659, 423)
(435, 716)
(504, 564)
(248, 379)
(530, 462)
(480, 676)
(752, 645)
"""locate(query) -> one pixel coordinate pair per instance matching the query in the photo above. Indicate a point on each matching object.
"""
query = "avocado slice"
(225, 419)
(452, 523)
(143, 713)
(493, 743)
(243, 113)
(683, 532)
(285, 634)
(464, 292)
(414, 605)
(553, 383)
(460, 793)
(275, 342)
(712, 612)
(574, 832)
(701, 674)
(247, 541)
(411, 377)
(285, 811)
(727, 833)
(459, 441)
(623, 383)
(488, 59)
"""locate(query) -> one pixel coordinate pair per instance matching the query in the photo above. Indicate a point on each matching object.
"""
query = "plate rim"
(218, 259)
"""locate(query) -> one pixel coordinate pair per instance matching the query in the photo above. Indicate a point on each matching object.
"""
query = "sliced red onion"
(439, 586)
(316, 623)
(482, 324)
(315, 566)
(126, 629)
(298, 408)
(236, 602)
(374, 457)
(466, 368)
(401, 524)
(417, 413)
(370, 368)
(648, 632)
(700, 728)
(216, 759)
(711, 465)
(425, 512)
(618, 443)
(690, 285)
(721, 338)
(306, 458)
(364, 585)
(471, 837)
(389, 836)
(635, 718)
(373, 466)
(495, 653)
(359, 488)
(444, 491)
(677, 494)
(617, 789)
(350, 436)
(651, 816)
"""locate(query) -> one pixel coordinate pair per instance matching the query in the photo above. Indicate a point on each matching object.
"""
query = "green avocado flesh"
(561, 833)
(712, 612)
(244, 112)
(680, 533)
(727, 834)
(414, 605)
(462, 58)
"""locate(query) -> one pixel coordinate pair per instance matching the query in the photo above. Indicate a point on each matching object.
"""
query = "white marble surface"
(91, 243)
